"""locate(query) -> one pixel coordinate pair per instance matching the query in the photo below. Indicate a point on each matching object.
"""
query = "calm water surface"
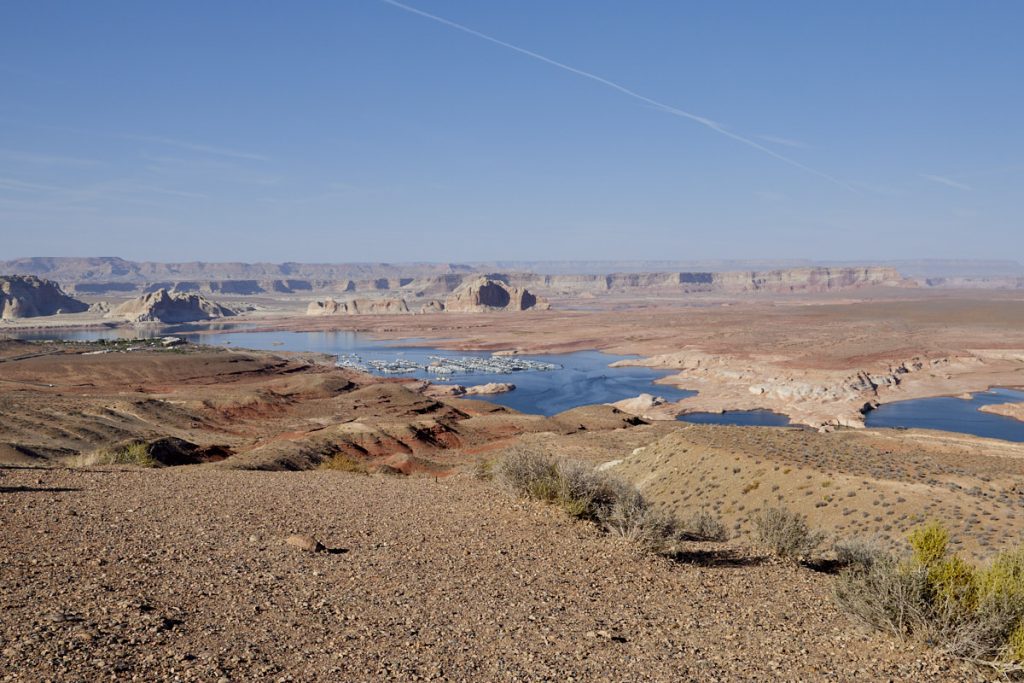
(584, 377)
(953, 415)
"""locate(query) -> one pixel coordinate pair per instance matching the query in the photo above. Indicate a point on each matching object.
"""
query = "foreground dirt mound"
(27, 296)
(170, 307)
(185, 574)
(485, 294)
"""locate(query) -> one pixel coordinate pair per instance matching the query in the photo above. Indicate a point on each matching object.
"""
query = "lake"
(953, 415)
(582, 378)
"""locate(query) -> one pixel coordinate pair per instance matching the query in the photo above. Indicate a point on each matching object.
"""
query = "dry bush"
(703, 526)
(133, 453)
(635, 519)
(586, 493)
(786, 533)
(976, 613)
(859, 552)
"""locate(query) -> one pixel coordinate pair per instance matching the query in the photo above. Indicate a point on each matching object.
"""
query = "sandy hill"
(27, 296)
(850, 483)
(170, 307)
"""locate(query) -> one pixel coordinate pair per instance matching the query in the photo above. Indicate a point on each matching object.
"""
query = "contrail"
(706, 122)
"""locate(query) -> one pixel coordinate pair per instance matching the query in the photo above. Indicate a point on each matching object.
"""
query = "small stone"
(307, 543)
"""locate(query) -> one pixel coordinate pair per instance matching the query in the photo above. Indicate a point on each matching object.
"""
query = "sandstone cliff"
(27, 296)
(169, 307)
(358, 307)
(486, 294)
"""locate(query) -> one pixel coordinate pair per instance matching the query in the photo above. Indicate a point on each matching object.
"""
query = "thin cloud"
(706, 122)
(785, 142)
(22, 186)
(948, 182)
(196, 147)
(46, 159)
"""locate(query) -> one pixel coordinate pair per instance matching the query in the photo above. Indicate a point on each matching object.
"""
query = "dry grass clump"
(704, 526)
(132, 453)
(586, 493)
(972, 612)
(786, 534)
(483, 470)
(343, 462)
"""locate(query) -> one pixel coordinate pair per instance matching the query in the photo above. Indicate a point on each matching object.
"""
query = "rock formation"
(1012, 410)
(485, 294)
(170, 307)
(358, 307)
(645, 406)
(27, 296)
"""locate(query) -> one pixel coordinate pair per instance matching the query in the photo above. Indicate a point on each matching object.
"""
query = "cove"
(581, 378)
(953, 415)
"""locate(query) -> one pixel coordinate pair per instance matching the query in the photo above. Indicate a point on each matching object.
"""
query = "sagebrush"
(586, 493)
(968, 611)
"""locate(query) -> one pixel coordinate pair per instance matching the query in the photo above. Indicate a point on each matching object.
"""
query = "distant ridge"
(112, 269)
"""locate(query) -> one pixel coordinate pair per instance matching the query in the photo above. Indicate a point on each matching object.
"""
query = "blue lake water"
(584, 377)
(747, 418)
(953, 415)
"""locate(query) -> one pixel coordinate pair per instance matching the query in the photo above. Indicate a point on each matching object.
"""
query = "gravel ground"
(184, 574)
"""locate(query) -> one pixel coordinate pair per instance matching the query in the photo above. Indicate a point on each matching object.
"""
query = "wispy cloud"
(948, 182)
(47, 159)
(195, 147)
(706, 122)
(16, 185)
(785, 142)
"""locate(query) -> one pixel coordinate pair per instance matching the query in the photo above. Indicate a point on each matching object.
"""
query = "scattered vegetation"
(972, 612)
(132, 453)
(786, 534)
(608, 501)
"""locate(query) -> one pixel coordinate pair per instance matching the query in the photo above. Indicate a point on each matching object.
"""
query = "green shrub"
(786, 534)
(929, 543)
(976, 613)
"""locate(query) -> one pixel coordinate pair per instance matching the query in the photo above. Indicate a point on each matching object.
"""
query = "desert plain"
(297, 520)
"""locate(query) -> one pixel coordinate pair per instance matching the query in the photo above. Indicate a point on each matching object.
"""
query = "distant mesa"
(486, 294)
(358, 307)
(27, 296)
(170, 307)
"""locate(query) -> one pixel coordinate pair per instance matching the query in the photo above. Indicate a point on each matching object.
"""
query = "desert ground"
(183, 571)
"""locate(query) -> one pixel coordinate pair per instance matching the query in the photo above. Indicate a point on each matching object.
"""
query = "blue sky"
(357, 130)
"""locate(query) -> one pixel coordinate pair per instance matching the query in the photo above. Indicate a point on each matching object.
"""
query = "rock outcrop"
(170, 307)
(27, 296)
(486, 294)
(1012, 410)
(358, 307)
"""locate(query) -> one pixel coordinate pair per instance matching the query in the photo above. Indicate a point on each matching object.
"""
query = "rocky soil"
(185, 574)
